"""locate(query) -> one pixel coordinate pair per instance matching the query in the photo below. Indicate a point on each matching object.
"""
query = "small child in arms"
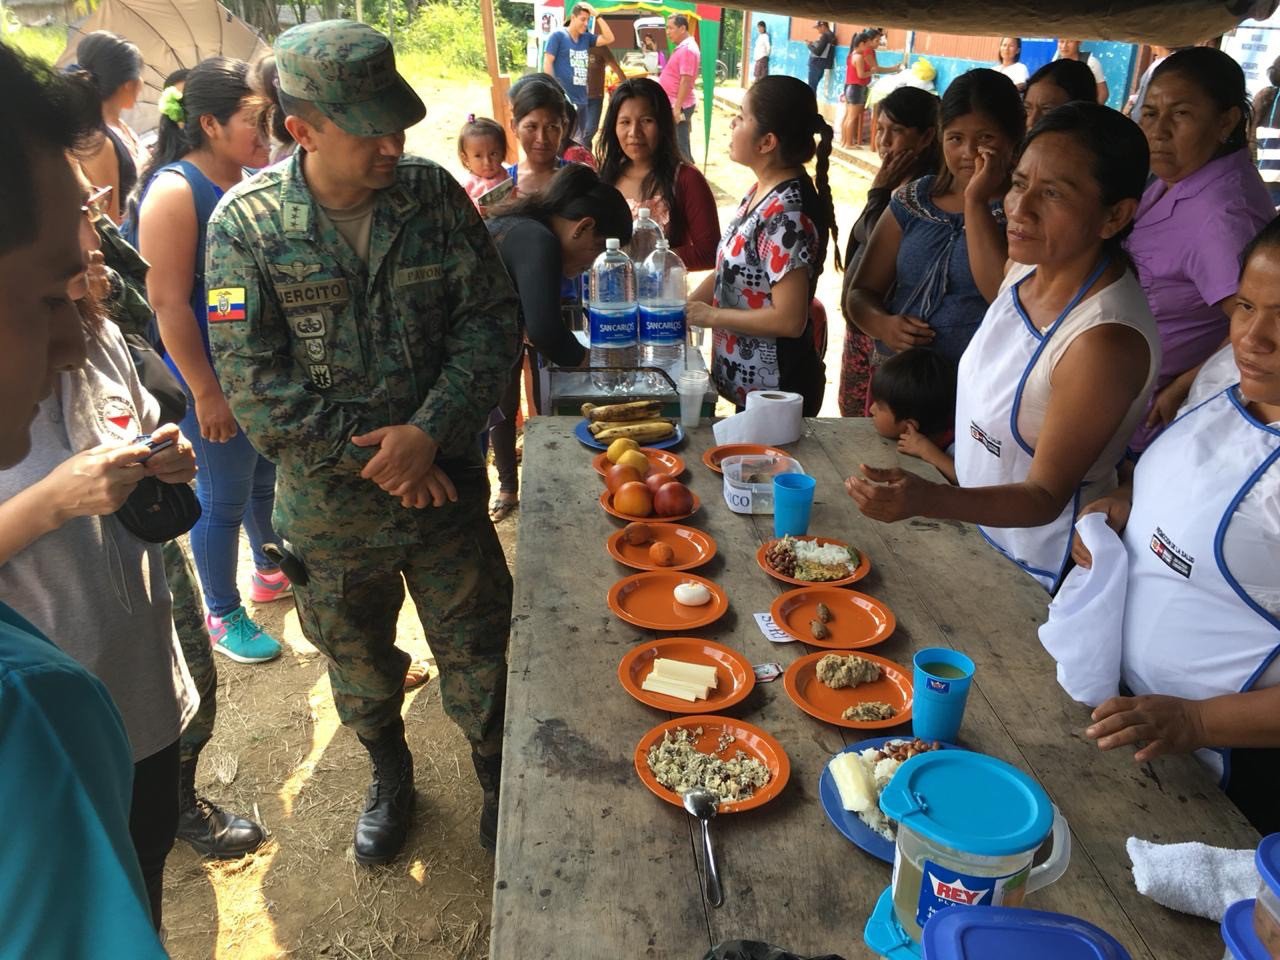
(482, 146)
(913, 400)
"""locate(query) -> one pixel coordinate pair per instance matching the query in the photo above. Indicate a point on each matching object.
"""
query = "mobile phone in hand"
(153, 446)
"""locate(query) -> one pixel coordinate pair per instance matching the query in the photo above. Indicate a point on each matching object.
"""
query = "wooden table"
(591, 865)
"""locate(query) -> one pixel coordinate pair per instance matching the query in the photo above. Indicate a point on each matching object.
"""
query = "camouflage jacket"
(313, 347)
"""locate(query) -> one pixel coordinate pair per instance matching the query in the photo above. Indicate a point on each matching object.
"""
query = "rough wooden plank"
(839, 918)
(778, 863)
(966, 589)
(588, 860)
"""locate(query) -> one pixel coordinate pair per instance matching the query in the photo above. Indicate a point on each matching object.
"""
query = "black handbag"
(157, 512)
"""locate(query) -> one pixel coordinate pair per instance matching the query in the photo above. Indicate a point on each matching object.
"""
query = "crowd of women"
(1066, 310)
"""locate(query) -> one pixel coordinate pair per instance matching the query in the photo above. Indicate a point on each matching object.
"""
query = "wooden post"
(360, 11)
(499, 81)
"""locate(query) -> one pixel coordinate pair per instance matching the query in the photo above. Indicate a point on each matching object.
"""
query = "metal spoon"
(701, 803)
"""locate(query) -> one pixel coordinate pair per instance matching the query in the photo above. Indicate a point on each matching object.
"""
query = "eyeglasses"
(93, 207)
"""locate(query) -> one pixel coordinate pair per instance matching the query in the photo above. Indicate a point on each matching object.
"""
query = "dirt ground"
(279, 754)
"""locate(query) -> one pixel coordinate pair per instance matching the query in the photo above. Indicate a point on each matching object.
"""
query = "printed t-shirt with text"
(572, 59)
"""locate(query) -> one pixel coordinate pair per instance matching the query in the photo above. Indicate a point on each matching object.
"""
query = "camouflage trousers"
(458, 579)
(188, 621)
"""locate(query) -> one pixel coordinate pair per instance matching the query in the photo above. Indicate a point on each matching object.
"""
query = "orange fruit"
(633, 498)
(634, 458)
(619, 474)
(662, 554)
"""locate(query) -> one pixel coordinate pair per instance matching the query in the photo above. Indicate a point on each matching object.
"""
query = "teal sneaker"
(238, 637)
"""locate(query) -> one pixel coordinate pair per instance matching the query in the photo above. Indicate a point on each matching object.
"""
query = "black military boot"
(388, 806)
(489, 773)
(212, 831)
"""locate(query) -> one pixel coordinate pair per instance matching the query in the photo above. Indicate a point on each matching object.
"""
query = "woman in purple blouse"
(1205, 203)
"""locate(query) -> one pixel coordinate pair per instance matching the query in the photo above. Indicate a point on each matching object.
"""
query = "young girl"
(482, 146)
(208, 135)
(758, 299)
(932, 268)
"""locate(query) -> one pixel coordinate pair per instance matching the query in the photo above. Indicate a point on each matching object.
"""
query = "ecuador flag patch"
(226, 304)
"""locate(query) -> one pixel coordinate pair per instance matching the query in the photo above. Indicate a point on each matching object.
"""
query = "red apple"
(655, 480)
(672, 499)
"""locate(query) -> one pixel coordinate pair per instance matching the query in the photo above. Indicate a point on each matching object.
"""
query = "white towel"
(1086, 618)
(1193, 878)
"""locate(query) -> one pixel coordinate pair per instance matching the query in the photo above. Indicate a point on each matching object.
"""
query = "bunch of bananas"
(640, 420)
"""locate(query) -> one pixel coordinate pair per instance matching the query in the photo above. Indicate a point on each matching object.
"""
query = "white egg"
(692, 594)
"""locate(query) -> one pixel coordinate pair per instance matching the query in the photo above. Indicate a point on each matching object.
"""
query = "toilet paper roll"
(771, 417)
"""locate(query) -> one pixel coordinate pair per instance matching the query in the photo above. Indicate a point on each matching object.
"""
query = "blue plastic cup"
(942, 679)
(792, 502)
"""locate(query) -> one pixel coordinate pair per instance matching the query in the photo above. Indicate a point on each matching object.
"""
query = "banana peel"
(647, 431)
(622, 412)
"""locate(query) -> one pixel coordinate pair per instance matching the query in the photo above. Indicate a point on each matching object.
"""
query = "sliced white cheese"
(694, 673)
(674, 688)
(853, 780)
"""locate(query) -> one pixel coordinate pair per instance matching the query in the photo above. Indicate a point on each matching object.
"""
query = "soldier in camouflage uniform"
(362, 327)
(211, 830)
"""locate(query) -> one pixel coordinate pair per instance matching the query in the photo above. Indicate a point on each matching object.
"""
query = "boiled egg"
(692, 594)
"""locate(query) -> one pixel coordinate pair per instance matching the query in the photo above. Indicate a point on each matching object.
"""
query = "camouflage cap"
(348, 70)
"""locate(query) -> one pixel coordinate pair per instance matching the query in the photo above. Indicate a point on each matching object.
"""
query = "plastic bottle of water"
(662, 298)
(645, 234)
(612, 315)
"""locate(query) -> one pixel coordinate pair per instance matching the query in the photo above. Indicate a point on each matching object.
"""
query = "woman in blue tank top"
(208, 134)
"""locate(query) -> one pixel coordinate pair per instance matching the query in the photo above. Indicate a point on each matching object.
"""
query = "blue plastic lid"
(1268, 861)
(969, 802)
(979, 933)
(884, 934)
(1238, 935)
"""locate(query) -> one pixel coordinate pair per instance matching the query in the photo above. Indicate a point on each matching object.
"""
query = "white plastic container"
(748, 480)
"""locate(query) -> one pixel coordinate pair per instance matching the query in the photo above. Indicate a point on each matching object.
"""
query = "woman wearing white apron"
(1202, 534)
(1058, 374)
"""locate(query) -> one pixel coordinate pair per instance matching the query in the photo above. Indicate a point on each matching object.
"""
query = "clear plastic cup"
(693, 388)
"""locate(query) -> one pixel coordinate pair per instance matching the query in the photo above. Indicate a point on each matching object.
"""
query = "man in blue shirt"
(70, 886)
(568, 55)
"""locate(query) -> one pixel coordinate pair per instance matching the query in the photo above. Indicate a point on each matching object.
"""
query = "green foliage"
(42, 43)
(445, 37)
(731, 26)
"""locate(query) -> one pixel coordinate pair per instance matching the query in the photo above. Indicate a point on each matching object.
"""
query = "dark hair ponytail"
(110, 61)
(574, 192)
(215, 87)
(263, 78)
(1220, 79)
(787, 108)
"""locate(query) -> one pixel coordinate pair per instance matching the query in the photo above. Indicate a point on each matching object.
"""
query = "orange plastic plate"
(606, 501)
(856, 619)
(647, 600)
(752, 741)
(659, 460)
(692, 547)
(713, 456)
(734, 676)
(860, 571)
(818, 700)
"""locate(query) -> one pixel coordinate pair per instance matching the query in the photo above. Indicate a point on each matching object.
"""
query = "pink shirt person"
(1186, 245)
(684, 62)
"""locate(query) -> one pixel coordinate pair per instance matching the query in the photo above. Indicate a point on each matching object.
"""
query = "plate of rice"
(806, 560)
(880, 757)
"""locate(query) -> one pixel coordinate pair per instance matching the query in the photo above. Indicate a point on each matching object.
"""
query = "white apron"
(989, 450)
(1190, 629)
